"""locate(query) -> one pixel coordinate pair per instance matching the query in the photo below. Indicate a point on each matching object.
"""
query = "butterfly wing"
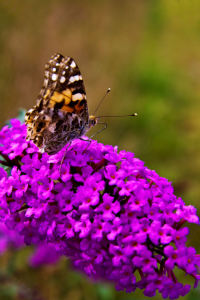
(61, 112)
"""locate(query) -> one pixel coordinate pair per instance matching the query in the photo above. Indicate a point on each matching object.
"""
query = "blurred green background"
(148, 52)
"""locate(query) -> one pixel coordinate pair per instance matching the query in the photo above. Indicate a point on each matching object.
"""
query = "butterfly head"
(92, 121)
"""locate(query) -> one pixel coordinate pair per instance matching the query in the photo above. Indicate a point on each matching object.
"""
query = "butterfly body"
(61, 113)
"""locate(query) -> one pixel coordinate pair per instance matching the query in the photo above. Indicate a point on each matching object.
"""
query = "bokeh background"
(148, 53)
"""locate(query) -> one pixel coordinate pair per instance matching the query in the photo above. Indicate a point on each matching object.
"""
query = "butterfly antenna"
(102, 99)
(119, 116)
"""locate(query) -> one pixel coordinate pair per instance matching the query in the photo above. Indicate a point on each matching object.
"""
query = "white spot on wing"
(62, 79)
(54, 77)
(75, 78)
(71, 79)
(77, 96)
(73, 65)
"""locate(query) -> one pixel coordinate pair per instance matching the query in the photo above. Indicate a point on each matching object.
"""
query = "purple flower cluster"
(116, 219)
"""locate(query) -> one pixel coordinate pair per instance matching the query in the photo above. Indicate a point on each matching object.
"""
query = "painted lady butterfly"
(61, 112)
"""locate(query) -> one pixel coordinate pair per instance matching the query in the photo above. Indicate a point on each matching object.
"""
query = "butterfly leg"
(97, 132)
(100, 130)
(88, 141)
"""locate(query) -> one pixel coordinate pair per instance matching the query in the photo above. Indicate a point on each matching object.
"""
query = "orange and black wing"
(62, 100)
(63, 86)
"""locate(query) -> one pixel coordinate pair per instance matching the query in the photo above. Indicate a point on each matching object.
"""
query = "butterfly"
(61, 112)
